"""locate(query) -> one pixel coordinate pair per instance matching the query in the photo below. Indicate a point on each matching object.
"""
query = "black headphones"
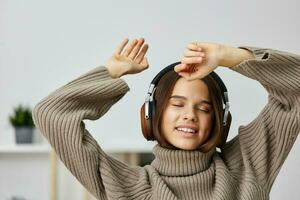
(148, 108)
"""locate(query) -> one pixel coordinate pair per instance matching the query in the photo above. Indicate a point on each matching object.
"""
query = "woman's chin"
(186, 146)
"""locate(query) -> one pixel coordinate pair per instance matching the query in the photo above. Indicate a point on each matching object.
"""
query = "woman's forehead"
(196, 89)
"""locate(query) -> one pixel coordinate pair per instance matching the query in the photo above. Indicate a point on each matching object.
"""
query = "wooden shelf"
(124, 147)
(25, 148)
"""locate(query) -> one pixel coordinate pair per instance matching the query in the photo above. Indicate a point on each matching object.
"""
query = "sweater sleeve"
(262, 146)
(60, 117)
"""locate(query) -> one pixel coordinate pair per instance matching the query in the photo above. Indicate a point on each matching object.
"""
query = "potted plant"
(22, 121)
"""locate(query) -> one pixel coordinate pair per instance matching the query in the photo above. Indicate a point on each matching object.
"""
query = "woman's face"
(187, 120)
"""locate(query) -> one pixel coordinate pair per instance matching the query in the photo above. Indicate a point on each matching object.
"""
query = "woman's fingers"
(191, 72)
(136, 49)
(188, 76)
(189, 53)
(142, 53)
(194, 47)
(191, 60)
(130, 47)
(180, 67)
(121, 47)
(197, 74)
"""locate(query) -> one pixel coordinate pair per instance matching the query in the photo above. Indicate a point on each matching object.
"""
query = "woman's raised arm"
(261, 146)
(264, 143)
(60, 117)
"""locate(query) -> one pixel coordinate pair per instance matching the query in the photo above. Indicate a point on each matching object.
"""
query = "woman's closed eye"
(182, 105)
(204, 110)
(177, 105)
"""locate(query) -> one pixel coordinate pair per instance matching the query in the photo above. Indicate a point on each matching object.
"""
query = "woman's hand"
(199, 60)
(202, 58)
(132, 60)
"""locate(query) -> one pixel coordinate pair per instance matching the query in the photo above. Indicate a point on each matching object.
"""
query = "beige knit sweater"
(246, 168)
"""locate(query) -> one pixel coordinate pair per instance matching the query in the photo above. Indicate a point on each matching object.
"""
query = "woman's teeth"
(186, 130)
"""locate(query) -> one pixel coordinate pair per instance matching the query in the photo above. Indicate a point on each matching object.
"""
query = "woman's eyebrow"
(184, 98)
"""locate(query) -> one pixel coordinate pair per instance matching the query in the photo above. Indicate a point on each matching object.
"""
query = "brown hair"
(163, 92)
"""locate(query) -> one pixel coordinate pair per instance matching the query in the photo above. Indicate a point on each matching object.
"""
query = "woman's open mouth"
(187, 132)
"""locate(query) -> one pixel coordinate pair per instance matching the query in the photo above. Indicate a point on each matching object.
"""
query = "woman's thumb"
(145, 63)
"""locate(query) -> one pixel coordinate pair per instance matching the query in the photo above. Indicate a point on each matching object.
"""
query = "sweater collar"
(169, 162)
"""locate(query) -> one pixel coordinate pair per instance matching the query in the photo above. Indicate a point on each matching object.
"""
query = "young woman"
(187, 127)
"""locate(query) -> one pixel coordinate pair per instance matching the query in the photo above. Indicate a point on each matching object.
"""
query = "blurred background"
(45, 44)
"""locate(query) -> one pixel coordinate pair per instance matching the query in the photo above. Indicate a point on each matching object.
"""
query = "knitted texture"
(245, 169)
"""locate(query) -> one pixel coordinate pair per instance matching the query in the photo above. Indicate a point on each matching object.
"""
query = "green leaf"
(22, 116)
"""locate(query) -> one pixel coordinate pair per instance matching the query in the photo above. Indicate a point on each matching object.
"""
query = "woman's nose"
(190, 114)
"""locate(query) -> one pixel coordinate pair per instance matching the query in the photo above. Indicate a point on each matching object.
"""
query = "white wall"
(45, 44)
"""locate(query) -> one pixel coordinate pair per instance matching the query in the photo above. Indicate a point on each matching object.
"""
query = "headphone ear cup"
(146, 124)
(152, 108)
(225, 131)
